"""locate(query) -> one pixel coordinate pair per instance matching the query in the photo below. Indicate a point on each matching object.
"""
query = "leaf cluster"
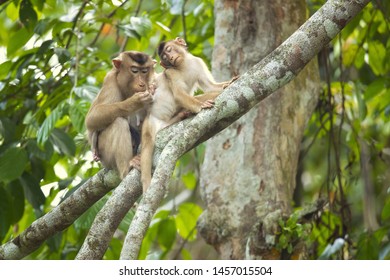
(53, 59)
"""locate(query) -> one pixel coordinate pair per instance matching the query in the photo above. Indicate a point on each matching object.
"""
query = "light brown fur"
(175, 88)
(122, 99)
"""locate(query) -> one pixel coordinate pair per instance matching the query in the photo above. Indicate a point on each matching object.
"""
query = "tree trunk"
(248, 175)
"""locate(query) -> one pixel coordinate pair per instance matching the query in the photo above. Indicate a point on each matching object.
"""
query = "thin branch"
(75, 20)
(276, 70)
(110, 15)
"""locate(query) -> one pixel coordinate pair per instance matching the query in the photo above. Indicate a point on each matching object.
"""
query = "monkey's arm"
(207, 96)
(102, 115)
(206, 80)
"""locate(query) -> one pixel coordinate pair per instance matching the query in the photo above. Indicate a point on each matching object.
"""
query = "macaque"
(174, 93)
(121, 103)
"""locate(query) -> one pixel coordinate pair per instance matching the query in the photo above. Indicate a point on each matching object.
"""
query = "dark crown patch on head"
(161, 48)
(138, 57)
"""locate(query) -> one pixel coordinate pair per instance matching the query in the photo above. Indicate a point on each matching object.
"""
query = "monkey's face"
(136, 70)
(140, 77)
(171, 54)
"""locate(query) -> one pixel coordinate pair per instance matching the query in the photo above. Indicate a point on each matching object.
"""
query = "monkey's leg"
(207, 96)
(135, 162)
(148, 138)
(115, 146)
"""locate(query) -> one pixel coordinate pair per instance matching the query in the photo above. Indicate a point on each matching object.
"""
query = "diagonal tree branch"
(109, 217)
(60, 217)
(270, 74)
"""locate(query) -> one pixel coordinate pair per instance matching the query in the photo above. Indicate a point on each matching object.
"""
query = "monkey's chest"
(164, 105)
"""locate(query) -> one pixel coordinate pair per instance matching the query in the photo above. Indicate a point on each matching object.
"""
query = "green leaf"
(368, 247)
(12, 11)
(186, 220)
(50, 122)
(45, 46)
(361, 105)
(87, 92)
(5, 68)
(186, 254)
(5, 206)
(12, 164)
(349, 54)
(377, 55)
(85, 221)
(375, 88)
(62, 54)
(166, 233)
(34, 150)
(141, 25)
(77, 114)
(162, 214)
(359, 60)
(7, 130)
(27, 15)
(283, 241)
(63, 142)
(16, 197)
(189, 180)
(18, 40)
(386, 211)
(32, 190)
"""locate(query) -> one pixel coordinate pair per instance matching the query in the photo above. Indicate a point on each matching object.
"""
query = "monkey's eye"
(164, 57)
(169, 48)
(134, 70)
(145, 70)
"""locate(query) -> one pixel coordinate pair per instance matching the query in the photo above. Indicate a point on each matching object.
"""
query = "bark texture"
(260, 81)
(60, 217)
(270, 74)
(248, 175)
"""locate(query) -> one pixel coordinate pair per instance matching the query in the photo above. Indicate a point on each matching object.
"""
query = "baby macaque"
(175, 88)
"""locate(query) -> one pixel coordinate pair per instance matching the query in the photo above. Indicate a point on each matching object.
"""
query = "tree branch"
(270, 74)
(60, 217)
(109, 217)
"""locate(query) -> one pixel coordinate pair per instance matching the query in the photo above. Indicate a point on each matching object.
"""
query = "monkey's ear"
(181, 41)
(154, 63)
(117, 62)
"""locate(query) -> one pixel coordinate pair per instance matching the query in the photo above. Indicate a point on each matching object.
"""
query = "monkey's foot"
(231, 81)
(184, 114)
(135, 162)
(95, 157)
(207, 104)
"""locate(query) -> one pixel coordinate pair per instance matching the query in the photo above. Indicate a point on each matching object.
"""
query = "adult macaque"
(112, 119)
(175, 88)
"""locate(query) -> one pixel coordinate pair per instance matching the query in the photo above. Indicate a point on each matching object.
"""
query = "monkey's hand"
(135, 162)
(95, 156)
(145, 97)
(207, 104)
(230, 82)
(152, 88)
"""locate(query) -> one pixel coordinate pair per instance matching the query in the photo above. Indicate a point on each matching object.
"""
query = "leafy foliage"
(53, 58)
(351, 127)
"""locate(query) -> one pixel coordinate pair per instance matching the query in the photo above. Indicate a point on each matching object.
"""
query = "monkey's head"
(172, 53)
(135, 71)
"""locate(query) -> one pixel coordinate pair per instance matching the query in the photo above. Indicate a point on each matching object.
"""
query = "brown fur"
(175, 92)
(122, 99)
